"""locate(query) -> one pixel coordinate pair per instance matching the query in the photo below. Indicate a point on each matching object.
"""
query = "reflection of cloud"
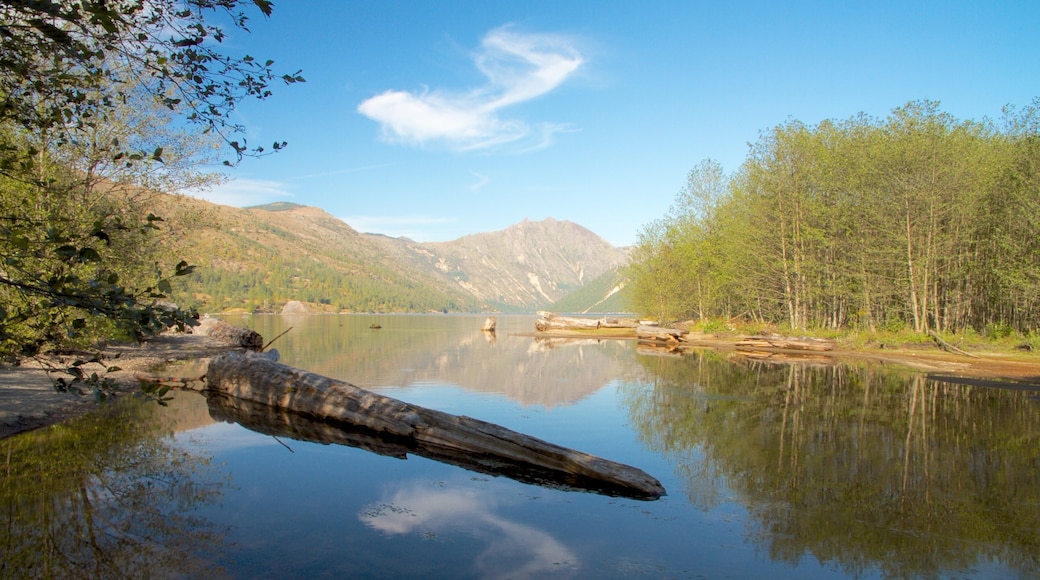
(243, 192)
(514, 550)
(519, 67)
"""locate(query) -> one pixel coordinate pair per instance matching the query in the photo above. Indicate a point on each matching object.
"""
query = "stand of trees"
(916, 220)
(102, 101)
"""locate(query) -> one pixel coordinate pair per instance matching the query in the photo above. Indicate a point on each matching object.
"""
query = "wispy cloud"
(481, 181)
(243, 192)
(415, 228)
(518, 66)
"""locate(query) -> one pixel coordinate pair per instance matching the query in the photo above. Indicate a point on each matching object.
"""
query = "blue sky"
(434, 120)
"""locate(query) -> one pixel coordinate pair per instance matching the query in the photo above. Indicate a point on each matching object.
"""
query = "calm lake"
(772, 470)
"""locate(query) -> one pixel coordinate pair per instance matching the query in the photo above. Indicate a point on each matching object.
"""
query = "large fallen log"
(614, 322)
(486, 447)
(550, 321)
(767, 341)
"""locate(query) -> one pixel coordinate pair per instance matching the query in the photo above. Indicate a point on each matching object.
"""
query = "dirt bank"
(28, 399)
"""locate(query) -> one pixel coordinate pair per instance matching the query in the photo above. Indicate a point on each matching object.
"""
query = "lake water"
(772, 470)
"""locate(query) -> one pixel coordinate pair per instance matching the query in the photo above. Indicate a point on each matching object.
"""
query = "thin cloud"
(519, 67)
(481, 181)
(243, 192)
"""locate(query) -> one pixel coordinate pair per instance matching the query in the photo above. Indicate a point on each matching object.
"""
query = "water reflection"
(862, 467)
(511, 549)
(459, 441)
(414, 350)
(108, 495)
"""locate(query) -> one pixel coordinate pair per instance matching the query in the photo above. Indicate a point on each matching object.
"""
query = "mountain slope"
(527, 266)
(259, 258)
(262, 257)
(604, 294)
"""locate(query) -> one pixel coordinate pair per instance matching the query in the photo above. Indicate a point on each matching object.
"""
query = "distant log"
(549, 321)
(947, 346)
(452, 438)
(784, 343)
(658, 333)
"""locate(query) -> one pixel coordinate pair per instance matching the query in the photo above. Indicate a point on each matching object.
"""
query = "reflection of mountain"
(447, 349)
(867, 469)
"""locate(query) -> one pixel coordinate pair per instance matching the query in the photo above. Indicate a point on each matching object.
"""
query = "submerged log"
(658, 333)
(456, 439)
(784, 343)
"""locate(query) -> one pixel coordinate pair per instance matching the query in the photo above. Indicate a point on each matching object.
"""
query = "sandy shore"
(28, 399)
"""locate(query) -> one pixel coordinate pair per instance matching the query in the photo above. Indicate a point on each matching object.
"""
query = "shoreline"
(28, 400)
(994, 365)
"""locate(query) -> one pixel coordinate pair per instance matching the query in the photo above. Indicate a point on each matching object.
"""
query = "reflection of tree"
(864, 467)
(105, 496)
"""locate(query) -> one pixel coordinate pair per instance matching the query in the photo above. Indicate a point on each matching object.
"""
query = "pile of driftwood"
(270, 397)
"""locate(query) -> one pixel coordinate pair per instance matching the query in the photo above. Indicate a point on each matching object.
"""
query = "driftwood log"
(766, 341)
(550, 321)
(657, 333)
(461, 440)
(613, 322)
(947, 346)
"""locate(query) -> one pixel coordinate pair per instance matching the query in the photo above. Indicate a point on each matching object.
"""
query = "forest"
(915, 221)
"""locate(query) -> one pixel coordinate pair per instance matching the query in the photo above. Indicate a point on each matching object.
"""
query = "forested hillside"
(260, 258)
(917, 220)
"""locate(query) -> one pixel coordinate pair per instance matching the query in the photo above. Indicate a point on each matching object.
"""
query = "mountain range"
(264, 257)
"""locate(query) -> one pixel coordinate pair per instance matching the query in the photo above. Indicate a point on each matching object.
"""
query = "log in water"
(455, 439)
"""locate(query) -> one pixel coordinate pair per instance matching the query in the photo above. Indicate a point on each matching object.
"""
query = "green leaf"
(265, 6)
(89, 255)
